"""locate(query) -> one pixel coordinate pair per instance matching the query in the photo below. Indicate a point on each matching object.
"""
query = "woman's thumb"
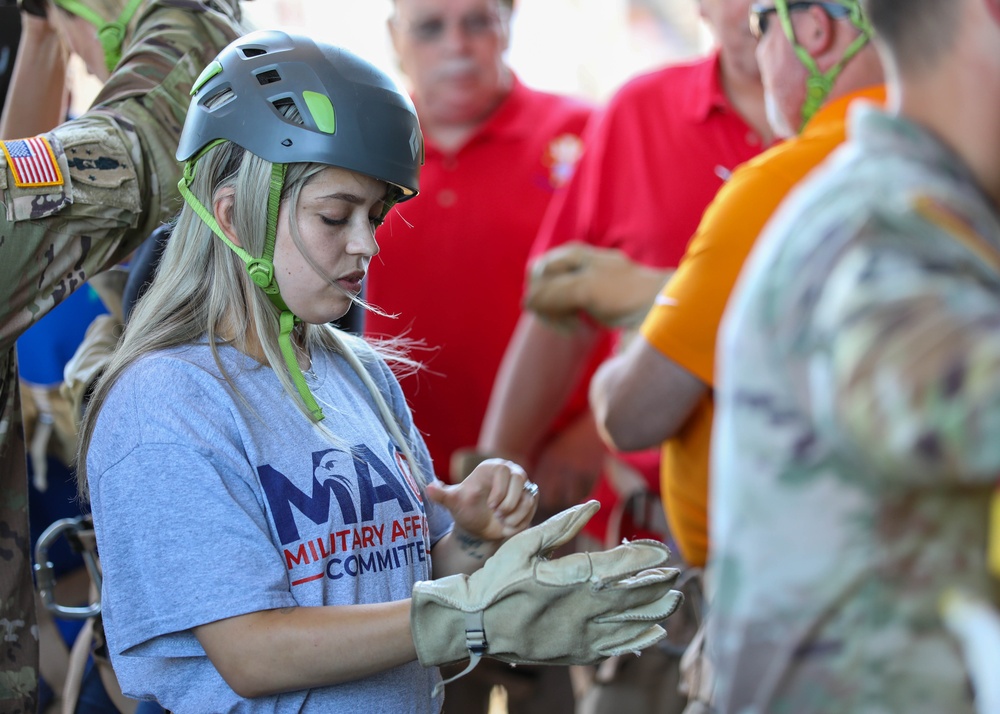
(441, 493)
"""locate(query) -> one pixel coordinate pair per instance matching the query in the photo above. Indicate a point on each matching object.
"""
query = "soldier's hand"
(602, 282)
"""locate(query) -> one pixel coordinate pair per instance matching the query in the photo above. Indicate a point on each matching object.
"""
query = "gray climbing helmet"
(350, 114)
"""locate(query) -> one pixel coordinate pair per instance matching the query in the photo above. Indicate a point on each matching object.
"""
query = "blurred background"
(585, 48)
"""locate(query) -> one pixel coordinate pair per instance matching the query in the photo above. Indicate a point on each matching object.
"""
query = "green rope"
(261, 270)
(288, 321)
(820, 84)
(110, 34)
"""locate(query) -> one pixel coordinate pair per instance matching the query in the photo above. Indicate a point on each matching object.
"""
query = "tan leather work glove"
(602, 282)
(523, 608)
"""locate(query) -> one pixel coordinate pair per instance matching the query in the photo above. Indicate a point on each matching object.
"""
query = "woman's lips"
(351, 282)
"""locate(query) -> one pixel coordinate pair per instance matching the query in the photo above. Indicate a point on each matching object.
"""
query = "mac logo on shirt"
(356, 480)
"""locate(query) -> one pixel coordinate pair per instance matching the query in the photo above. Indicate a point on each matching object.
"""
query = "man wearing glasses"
(452, 262)
(815, 60)
(857, 399)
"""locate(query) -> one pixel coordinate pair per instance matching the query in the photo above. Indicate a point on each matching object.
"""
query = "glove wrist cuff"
(475, 642)
(443, 631)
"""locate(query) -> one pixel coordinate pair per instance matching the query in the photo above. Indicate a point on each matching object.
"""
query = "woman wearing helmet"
(264, 506)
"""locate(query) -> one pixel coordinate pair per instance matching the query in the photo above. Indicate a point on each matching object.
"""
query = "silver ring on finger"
(530, 488)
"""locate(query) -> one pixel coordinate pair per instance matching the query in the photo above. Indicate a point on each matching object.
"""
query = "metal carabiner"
(44, 570)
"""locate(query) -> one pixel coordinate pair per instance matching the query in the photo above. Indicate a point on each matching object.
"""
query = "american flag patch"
(32, 162)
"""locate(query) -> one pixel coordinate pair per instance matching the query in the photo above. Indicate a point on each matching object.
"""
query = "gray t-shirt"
(210, 504)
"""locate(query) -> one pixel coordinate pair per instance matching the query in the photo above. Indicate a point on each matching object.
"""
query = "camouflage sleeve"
(76, 201)
(115, 171)
(907, 357)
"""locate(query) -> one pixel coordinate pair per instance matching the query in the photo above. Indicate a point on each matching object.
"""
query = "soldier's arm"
(110, 175)
(36, 98)
(906, 360)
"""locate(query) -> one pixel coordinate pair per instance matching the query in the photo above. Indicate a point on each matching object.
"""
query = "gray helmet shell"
(369, 125)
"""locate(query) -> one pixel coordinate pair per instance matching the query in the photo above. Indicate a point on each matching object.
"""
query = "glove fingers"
(659, 606)
(555, 296)
(628, 559)
(653, 576)
(560, 528)
(637, 640)
(563, 259)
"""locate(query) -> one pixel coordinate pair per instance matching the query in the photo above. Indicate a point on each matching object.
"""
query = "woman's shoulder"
(198, 360)
(375, 362)
(174, 395)
(370, 357)
(158, 380)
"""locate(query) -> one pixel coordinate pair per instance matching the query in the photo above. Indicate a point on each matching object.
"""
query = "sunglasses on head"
(760, 14)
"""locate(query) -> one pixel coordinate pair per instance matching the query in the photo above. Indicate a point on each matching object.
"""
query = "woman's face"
(337, 214)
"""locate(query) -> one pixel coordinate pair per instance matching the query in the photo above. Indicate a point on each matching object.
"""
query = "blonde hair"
(201, 286)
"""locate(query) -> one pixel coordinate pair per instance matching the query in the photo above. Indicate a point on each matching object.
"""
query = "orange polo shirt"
(685, 319)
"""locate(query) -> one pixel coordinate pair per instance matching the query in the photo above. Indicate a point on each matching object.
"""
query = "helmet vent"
(220, 99)
(249, 52)
(289, 110)
(269, 77)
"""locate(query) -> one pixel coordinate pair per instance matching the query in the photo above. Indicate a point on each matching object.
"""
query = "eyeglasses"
(759, 14)
(432, 29)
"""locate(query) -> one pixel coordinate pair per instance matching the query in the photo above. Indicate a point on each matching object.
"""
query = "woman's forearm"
(288, 649)
(459, 552)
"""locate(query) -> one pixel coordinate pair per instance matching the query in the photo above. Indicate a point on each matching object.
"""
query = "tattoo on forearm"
(472, 546)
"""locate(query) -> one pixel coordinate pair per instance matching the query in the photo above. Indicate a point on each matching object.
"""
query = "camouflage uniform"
(856, 436)
(119, 181)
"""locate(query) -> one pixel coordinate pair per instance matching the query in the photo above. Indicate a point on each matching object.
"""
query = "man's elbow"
(628, 438)
(620, 427)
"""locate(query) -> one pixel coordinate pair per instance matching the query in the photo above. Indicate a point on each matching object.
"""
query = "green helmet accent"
(820, 84)
(349, 114)
(110, 34)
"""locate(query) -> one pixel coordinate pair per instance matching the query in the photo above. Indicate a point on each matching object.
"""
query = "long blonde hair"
(201, 285)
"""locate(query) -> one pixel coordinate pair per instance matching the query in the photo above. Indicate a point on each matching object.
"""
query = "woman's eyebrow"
(343, 196)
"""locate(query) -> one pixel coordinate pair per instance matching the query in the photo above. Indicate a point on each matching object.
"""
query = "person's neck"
(244, 338)
(449, 137)
(932, 99)
(448, 130)
(862, 71)
(746, 95)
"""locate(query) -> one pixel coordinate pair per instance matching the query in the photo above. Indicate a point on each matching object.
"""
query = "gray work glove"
(523, 608)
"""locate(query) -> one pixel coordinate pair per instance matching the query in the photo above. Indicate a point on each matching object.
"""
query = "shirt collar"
(837, 108)
(705, 93)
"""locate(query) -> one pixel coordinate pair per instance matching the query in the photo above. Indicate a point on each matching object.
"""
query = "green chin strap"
(820, 84)
(110, 34)
(261, 270)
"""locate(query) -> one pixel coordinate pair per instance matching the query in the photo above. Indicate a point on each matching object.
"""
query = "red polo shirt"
(452, 259)
(654, 160)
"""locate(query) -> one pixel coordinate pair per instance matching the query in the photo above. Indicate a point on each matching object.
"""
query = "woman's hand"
(493, 503)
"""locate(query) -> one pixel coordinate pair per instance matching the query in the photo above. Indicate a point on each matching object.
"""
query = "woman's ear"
(222, 207)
